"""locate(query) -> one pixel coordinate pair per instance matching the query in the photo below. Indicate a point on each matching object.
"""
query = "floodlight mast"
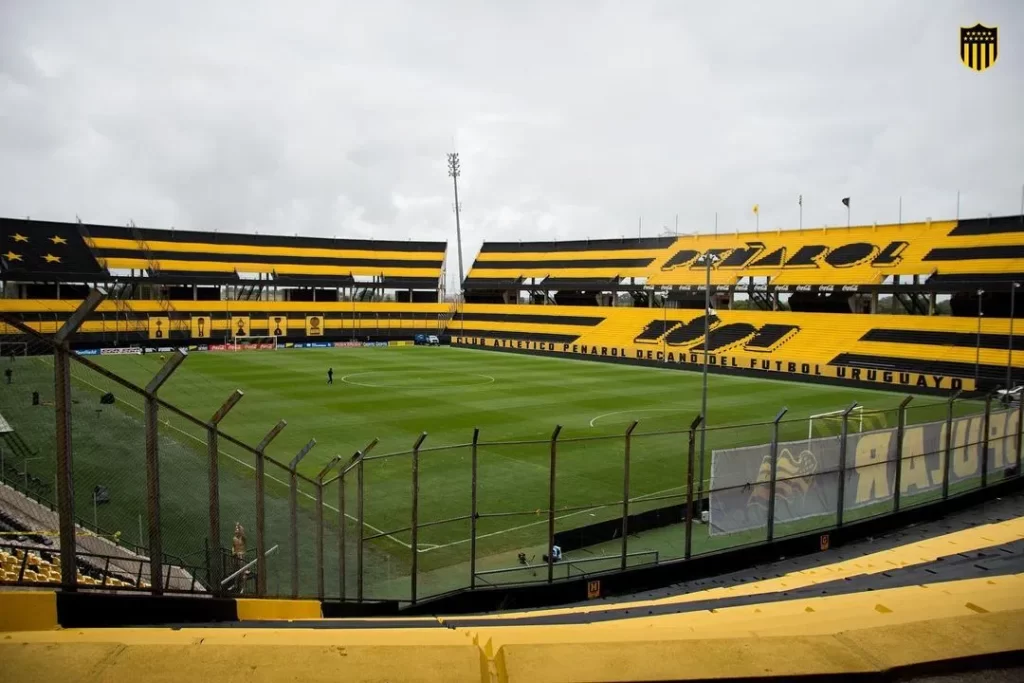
(709, 258)
(454, 172)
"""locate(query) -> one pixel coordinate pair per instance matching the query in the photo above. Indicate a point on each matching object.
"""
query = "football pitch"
(394, 395)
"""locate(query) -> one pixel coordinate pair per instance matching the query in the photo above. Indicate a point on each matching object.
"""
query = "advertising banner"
(133, 351)
(88, 352)
(277, 325)
(346, 344)
(807, 472)
(159, 327)
(239, 325)
(314, 325)
(201, 326)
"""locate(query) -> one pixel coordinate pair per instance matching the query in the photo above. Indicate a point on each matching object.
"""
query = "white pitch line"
(543, 521)
(251, 467)
(640, 410)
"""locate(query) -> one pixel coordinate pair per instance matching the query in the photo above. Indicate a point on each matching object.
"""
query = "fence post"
(625, 494)
(153, 469)
(774, 455)
(843, 432)
(949, 445)
(551, 504)
(1020, 430)
(213, 470)
(65, 478)
(690, 457)
(984, 440)
(415, 515)
(319, 538)
(293, 513)
(901, 426)
(473, 510)
(359, 535)
(62, 421)
(320, 590)
(261, 540)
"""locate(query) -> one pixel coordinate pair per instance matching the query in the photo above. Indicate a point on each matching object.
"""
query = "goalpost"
(831, 423)
(250, 342)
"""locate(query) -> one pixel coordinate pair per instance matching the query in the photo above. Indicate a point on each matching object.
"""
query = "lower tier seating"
(936, 352)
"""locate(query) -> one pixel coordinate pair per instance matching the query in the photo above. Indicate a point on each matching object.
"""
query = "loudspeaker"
(107, 399)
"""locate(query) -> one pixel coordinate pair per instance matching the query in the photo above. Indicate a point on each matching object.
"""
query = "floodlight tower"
(453, 171)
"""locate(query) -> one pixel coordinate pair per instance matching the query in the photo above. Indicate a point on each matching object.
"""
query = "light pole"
(709, 258)
(453, 171)
(977, 350)
(1009, 342)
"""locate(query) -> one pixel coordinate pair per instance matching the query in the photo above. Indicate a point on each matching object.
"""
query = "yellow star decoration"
(56, 239)
(50, 258)
(19, 238)
(11, 256)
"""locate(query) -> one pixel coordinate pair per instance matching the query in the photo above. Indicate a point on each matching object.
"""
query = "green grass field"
(394, 394)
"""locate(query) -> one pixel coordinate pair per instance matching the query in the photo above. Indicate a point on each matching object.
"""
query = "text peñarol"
(767, 365)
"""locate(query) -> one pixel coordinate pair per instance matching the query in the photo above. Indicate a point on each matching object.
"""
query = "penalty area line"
(251, 467)
(542, 521)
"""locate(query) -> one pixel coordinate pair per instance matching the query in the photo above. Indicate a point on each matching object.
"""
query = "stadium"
(799, 327)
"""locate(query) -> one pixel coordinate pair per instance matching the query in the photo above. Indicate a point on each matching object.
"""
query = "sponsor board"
(201, 326)
(218, 347)
(88, 352)
(376, 343)
(319, 345)
(775, 365)
(346, 345)
(808, 471)
(400, 343)
(132, 351)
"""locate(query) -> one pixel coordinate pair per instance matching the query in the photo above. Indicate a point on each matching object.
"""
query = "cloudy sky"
(573, 119)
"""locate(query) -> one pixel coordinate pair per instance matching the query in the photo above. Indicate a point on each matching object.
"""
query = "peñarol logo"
(808, 256)
(979, 46)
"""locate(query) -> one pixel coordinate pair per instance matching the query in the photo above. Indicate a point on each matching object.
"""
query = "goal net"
(252, 343)
(831, 423)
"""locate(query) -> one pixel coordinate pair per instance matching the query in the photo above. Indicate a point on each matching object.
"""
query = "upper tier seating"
(986, 248)
(70, 251)
(575, 265)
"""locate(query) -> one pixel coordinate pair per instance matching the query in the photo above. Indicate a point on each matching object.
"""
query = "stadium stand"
(47, 253)
(576, 271)
(897, 350)
(942, 596)
(866, 255)
(784, 301)
(30, 554)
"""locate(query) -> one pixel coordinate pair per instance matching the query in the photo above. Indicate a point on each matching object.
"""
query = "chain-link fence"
(137, 494)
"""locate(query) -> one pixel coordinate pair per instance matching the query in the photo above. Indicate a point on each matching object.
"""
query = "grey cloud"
(572, 119)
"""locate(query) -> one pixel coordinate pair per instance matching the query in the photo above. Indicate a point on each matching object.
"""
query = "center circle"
(417, 379)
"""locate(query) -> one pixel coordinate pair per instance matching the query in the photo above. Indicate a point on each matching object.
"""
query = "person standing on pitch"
(330, 375)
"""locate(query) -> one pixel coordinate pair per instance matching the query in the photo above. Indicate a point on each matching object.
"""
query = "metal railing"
(422, 522)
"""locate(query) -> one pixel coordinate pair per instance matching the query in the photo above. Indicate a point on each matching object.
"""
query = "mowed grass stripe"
(528, 397)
